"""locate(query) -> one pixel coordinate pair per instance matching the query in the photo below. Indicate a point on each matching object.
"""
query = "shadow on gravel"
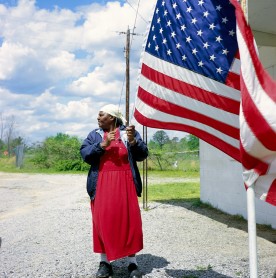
(150, 262)
(147, 261)
(232, 221)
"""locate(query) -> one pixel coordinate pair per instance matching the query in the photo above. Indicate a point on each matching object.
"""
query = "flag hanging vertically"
(190, 81)
(257, 116)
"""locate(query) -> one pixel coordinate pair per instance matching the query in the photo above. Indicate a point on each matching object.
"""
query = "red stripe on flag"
(264, 78)
(209, 138)
(191, 91)
(183, 112)
(271, 195)
(233, 80)
(259, 126)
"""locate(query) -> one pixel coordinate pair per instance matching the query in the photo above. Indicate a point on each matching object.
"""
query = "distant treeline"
(61, 153)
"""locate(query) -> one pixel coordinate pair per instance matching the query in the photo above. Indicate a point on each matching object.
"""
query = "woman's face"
(105, 121)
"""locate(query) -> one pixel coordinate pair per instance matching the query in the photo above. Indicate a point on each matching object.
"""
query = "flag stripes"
(257, 116)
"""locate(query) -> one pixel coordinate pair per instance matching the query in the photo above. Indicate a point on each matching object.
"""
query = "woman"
(113, 184)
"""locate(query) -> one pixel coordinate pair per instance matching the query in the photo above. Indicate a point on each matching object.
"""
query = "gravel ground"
(45, 226)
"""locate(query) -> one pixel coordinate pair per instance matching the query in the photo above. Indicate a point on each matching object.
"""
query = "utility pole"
(145, 162)
(127, 74)
(127, 56)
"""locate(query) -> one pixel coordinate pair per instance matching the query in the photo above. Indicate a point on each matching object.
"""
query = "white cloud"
(65, 64)
(11, 56)
(59, 67)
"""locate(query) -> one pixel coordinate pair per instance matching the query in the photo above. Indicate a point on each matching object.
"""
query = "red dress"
(117, 224)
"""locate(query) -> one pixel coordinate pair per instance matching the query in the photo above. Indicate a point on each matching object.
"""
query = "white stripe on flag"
(190, 77)
(157, 115)
(187, 102)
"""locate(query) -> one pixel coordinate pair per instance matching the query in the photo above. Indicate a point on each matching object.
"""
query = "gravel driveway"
(45, 226)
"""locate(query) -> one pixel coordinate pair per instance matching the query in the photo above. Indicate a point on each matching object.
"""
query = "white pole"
(252, 235)
(251, 209)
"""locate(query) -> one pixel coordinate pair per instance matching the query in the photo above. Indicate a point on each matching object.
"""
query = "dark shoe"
(134, 272)
(104, 271)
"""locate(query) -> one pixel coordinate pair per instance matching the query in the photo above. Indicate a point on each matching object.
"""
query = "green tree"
(161, 138)
(192, 142)
(60, 152)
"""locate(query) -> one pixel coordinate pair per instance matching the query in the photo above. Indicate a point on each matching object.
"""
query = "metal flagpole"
(252, 234)
(251, 209)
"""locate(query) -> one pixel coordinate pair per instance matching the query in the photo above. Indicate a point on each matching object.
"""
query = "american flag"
(190, 76)
(257, 116)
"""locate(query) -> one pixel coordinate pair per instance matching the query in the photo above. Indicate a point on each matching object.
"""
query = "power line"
(146, 21)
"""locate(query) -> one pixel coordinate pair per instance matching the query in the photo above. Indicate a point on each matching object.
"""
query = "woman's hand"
(110, 137)
(130, 131)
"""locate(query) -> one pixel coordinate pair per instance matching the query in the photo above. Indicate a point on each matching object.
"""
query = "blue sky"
(61, 61)
(68, 4)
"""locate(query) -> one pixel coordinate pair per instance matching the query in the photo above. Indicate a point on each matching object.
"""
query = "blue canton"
(199, 35)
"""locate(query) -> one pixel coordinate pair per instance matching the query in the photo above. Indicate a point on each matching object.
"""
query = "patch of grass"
(174, 192)
(173, 174)
(8, 165)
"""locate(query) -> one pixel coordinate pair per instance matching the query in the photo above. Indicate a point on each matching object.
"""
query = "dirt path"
(45, 226)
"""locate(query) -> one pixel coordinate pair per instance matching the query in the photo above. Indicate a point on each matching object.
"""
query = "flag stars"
(164, 41)
(224, 20)
(218, 39)
(154, 38)
(205, 14)
(188, 39)
(225, 51)
(206, 45)
(156, 48)
(218, 8)
(178, 16)
(165, 12)
(169, 52)
(169, 23)
(200, 64)
(157, 11)
(178, 45)
(163, 3)
(231, 33)
(200, 3)
(152, 28)
(194, 21)
(174, 5)
(173, 34)
(183, 27)
(161, 30)
(219, 70)
(184, 58)
(199, 33)
(212, 26)
(189, 10)
(158, 20)
(213, 57)
(194, 51)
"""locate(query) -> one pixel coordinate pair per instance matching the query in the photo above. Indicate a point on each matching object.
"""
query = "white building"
(220, 175)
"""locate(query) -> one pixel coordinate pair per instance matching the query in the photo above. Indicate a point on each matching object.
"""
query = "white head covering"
(114, 111)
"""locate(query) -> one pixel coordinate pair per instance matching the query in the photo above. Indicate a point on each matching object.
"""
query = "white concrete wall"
(221, 182)
(221, 185)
